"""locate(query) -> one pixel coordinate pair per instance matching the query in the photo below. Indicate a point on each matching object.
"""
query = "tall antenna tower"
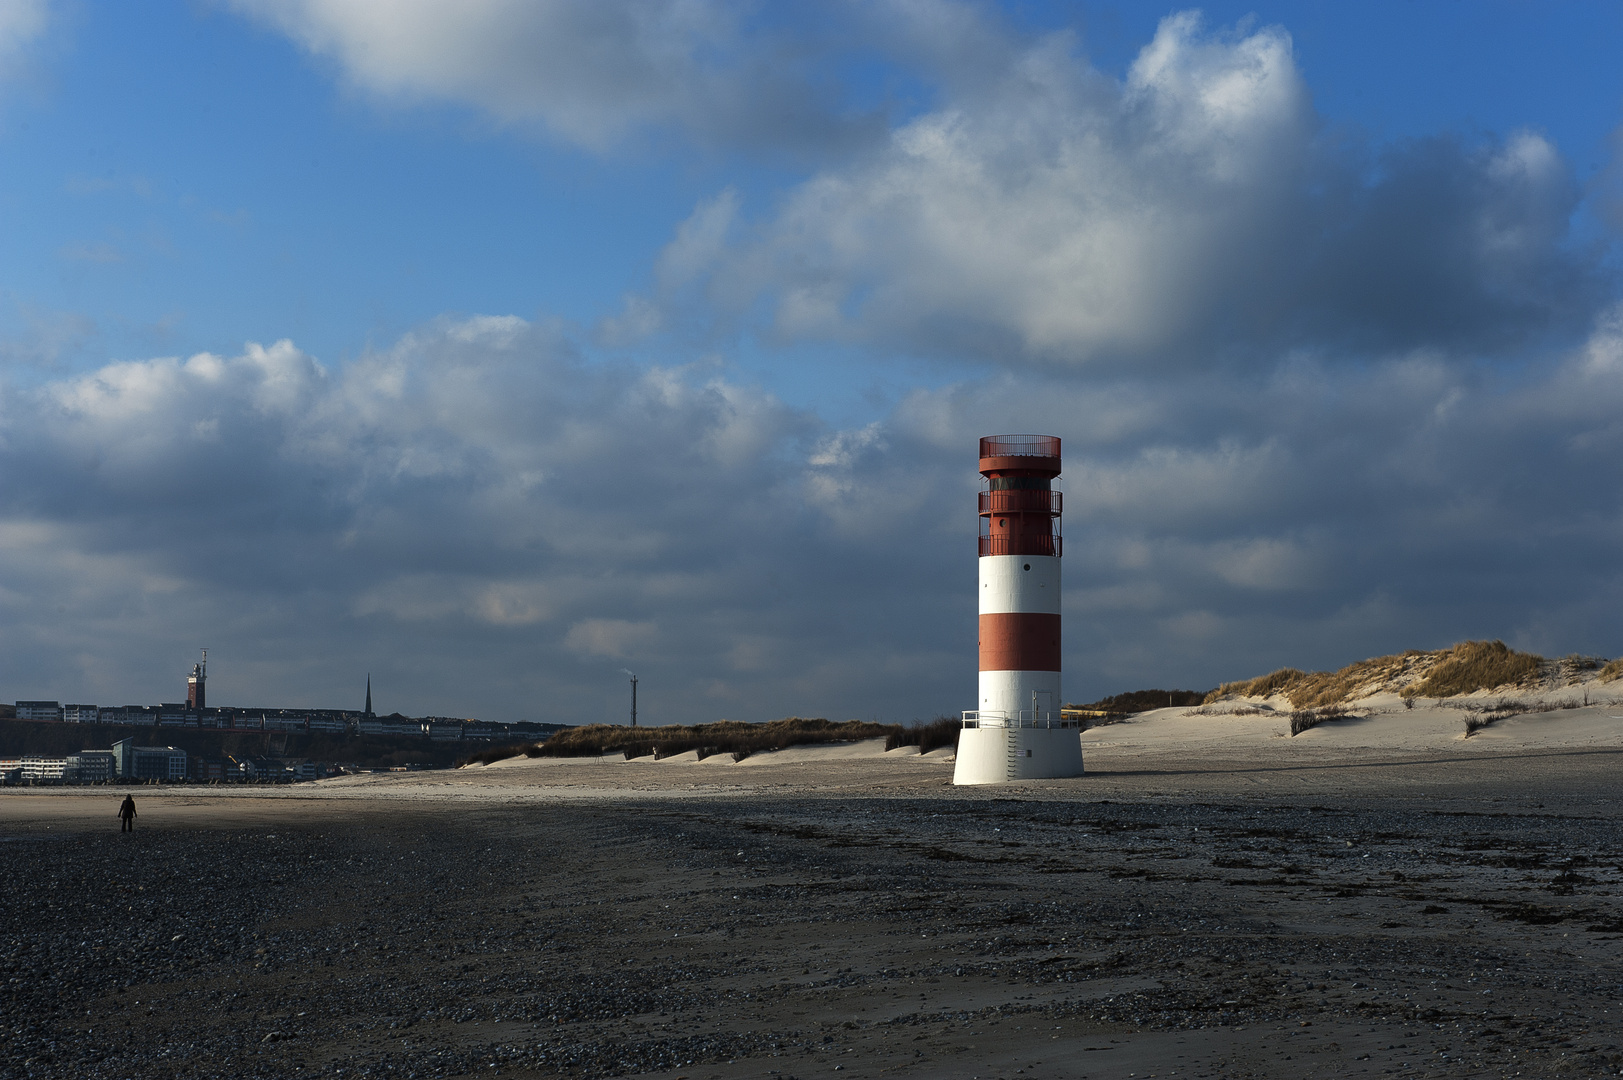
(633, 699)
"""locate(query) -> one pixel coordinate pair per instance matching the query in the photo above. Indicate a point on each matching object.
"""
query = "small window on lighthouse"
(1028, 566)
(1001, 523)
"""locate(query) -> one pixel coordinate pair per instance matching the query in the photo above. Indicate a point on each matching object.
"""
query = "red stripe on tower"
(1020, 641)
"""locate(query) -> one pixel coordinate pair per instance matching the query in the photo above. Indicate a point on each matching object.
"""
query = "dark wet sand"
(1162, 917)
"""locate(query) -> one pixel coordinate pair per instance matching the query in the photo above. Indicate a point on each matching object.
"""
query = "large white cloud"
(1196, 209)
(493, 526)
(590, 71)
(476, 515)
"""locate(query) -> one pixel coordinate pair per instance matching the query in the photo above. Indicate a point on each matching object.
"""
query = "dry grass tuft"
(1480, 716)
(723, 737)
(1476, 665)
(1611, 671)
(1303, 719)
(942, 731)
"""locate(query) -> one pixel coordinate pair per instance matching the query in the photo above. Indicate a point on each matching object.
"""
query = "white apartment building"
(38, 768)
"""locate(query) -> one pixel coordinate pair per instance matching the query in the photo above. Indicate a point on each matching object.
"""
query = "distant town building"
(142, 715)
(80, 714)
(39, 710)
(148, 762)
(91, 766)
(330, 722)
(283, 720)
(393, 724)
(263, 769)
(44, 770)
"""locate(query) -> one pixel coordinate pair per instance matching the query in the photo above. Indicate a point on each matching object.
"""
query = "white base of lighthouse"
(996, 751)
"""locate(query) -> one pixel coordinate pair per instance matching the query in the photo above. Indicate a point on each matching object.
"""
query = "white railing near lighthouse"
(1025, 719)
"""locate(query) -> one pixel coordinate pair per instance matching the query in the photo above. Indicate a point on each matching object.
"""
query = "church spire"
(368, 693)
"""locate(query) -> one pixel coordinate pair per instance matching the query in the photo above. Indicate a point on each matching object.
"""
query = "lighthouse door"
(1042, 705)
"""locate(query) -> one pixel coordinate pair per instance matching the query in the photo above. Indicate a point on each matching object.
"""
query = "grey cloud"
(1199, 211)
(1317, 514)
(493, 525)
(484, 520)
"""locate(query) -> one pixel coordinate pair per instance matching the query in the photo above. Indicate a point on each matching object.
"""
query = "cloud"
(475, 496)
(22, 22)
(591, 72)
(617, 639)
(495, 526)
(47, 337)
(1197, 211)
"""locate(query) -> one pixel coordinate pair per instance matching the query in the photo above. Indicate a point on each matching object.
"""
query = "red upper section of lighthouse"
(1030, 455)
(1020, 511)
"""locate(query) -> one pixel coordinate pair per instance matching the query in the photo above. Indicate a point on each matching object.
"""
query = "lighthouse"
(1016, 731)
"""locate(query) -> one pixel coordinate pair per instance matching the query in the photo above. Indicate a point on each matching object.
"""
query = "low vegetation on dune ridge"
(1460, 669)
(1137, 701)
(1476, 665)
(501, 753)
(722, 737)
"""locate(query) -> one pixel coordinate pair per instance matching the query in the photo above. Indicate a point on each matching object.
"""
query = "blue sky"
(1319, 296)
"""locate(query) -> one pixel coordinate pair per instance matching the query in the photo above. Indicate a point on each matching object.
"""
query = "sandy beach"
(1369, 898)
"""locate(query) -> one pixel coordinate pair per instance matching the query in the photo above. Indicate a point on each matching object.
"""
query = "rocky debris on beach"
(794, 934)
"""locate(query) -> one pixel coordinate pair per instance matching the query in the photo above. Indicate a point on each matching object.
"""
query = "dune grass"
(1303, 719)
(501, 753)
(927, 736)
(1461, 669)
(1613, 670)
(1476, 665)
(1262, 686)
(1137, 701)
(1478, 717)
(722, 737)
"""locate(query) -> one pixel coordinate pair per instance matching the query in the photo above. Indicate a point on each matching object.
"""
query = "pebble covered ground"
(1016, 934)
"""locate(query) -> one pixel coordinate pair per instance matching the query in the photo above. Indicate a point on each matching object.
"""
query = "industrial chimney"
(1016, 732)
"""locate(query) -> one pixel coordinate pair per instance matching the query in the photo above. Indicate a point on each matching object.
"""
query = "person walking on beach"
(126, 811)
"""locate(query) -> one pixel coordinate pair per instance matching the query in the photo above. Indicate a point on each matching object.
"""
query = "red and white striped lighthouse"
(1016, 731)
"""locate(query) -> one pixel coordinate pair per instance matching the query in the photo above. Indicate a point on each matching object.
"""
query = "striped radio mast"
(1016, 731)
